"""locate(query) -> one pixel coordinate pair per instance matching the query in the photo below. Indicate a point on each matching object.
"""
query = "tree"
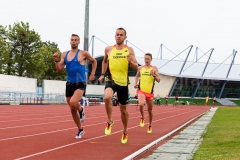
(45, 54)
(25, 44)
(22, 53)
(4, 51)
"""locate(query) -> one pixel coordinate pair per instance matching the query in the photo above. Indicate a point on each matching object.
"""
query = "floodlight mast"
(86, 34)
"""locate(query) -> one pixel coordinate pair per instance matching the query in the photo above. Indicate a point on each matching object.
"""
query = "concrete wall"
(58, 87)
(54, 86)
(163, 88)
(10, 83)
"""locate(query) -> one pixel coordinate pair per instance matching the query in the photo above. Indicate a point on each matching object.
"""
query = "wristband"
(102, 74)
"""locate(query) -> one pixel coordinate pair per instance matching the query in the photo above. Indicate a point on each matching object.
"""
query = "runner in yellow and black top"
(148, 75)
(116, 60)
(214, 100)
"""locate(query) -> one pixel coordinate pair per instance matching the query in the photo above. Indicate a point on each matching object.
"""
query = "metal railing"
(31, 98)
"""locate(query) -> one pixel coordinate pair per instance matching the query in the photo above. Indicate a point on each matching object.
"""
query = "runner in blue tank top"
(75, 60)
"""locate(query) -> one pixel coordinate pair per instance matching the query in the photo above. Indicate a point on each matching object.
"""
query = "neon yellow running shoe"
(142, 122)
(108, 128)
(149, 129)
(124, 138)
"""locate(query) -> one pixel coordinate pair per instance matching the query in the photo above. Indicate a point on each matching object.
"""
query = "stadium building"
(190, 78)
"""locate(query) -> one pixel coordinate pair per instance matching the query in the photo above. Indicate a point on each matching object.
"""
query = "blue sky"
(176, 24)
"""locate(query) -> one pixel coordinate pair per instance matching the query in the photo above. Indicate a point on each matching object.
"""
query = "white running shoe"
(80, 133)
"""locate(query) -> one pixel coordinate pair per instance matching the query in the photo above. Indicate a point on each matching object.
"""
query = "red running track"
(47, 132)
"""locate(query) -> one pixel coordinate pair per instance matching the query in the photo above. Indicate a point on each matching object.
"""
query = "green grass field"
(236, 101)
(222, 139)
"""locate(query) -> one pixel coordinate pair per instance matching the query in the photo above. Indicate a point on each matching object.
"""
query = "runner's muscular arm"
(157, 76)
(105, 59)
(104, 63)
(137, 77)
(60, 65)
(131, 59)
(93, 61)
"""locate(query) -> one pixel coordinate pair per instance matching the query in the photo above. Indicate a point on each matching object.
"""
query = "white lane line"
(29, 119)
(38, 124)
(147, 147)
(24, 114)
(39, 113)
(69, 120)
(70, 144)
(32, 109)
(43, 133)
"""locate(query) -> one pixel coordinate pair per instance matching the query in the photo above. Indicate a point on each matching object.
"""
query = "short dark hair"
(76, 36)
(148, 54)
(120, 28)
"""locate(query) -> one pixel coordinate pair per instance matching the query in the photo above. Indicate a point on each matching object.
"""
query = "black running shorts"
(122, 91)
(72, 87)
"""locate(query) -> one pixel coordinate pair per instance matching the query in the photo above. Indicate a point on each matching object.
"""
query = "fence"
(51, 98)
(36, 98)
(14, 97)
(31, 98)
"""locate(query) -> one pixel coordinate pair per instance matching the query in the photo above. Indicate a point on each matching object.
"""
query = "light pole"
(86, 33)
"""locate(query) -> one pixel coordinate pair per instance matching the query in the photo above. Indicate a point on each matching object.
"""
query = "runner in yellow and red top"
(207, 99)
(148, 75)
(115, 63)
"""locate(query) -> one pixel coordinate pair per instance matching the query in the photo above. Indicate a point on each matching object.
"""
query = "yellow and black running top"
(146, 82)
(118, 65)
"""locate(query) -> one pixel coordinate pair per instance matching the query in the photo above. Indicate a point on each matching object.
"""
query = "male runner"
(176, 100)
(166, 100)
(207, 99)
(75, 60)
(148, 75)
(158, 100)
(116, 60)
(214, 100)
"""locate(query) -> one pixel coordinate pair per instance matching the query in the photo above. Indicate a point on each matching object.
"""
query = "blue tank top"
(75, 71)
